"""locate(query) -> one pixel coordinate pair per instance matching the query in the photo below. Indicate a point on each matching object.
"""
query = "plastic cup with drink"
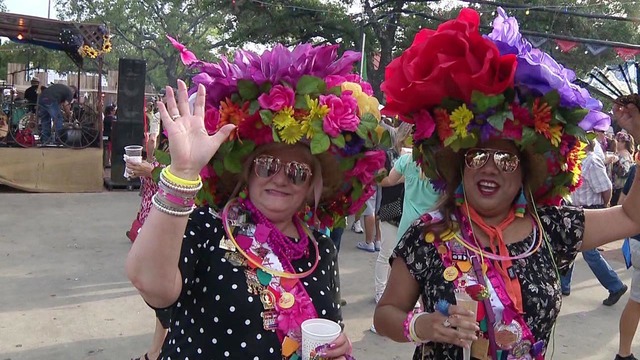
(132, 154)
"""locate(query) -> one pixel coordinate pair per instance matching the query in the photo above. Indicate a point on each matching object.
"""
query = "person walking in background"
(595, 193)
(107, 125)
(620, 169)
(630, 316)
(419, 197)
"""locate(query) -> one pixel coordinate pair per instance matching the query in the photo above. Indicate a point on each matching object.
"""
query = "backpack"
(392, 196)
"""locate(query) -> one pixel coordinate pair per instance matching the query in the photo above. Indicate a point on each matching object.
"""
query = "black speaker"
(129, 127)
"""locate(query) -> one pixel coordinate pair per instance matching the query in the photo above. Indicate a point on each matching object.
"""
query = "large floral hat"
(461, 88)
(307, 95)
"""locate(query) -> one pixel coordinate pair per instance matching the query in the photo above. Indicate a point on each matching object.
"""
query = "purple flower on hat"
(538, 73)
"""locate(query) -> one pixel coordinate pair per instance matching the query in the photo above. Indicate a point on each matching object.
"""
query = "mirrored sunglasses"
(504, 160)
(267, 166)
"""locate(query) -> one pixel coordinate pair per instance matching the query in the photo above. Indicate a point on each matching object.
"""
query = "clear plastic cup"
(316, 332)
(465, 301)
(132, 154)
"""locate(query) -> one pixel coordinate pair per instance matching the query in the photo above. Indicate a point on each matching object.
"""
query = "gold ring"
(446, 323)
(173, 117)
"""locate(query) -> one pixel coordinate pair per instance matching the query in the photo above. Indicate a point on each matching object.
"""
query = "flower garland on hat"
(461, 88)
(304, 94)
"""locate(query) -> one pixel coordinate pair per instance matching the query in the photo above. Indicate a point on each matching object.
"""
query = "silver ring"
(173, 117)
(446, 323)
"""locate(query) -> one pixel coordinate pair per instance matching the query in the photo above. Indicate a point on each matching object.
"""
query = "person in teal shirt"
(419, 197)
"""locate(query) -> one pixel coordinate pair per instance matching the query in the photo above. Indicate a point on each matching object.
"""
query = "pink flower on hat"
(342, 113)
(425, 125)
(367, 166)
(278, 98)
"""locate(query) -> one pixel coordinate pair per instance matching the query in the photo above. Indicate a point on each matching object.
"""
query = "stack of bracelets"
(175, 195)
(410, 328)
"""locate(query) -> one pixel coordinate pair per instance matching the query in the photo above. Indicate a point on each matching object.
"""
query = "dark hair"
(447, 204)
(109, 109)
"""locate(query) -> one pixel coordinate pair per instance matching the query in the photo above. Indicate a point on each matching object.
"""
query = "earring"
(459, 195)
(243, 194)
(520, 204)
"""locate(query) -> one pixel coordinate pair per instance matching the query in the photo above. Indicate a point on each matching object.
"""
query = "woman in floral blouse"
(500, 129)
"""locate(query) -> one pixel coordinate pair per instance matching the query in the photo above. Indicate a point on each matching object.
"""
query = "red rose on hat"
(452, 61)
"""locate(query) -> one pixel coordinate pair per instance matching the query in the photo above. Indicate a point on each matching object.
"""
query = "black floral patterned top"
(541, 295)
(215, 317)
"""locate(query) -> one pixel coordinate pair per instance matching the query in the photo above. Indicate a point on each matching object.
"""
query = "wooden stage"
(51, 169)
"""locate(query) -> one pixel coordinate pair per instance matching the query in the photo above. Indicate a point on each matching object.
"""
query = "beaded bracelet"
(165, 209)
(182, 190)
(178, 180)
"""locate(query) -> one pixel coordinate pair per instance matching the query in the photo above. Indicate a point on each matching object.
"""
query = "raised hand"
(628, 117)
(191, 147)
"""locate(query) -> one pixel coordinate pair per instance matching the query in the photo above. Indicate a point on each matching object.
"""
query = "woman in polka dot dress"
(242, 274)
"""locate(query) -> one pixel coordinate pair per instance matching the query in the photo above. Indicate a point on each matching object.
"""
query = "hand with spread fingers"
(628, 117)
(458, 328)
(191, 146)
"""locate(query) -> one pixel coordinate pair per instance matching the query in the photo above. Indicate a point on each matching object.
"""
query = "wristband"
(178, 180)
(184, 201)
(165, 209)
(410, 328)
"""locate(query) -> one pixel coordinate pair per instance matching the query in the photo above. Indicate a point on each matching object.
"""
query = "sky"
(31, 7)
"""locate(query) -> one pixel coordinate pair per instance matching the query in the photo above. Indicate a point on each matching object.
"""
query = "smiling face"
(488, 189)
(277, 197)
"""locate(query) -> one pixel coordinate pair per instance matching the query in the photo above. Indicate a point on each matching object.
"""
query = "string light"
(20, 37)
(526, 12)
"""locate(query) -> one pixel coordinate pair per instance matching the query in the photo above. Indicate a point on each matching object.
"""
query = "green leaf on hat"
(450, 140)
(468, 141)
(218, 166)
(233, 160)
(498, 119)
(362, 132)
(266, 87)
(347, 163)
(253, 107)
(574, 130)
(369, 121)
(316, 126)
(301, 102)
(357, 191)
(385, 141)
(310, 85)
(528, 136)
(274, 132)
(336, 90)
(339, 141)
(266, 116)
(320, 143)
(552, 98)
(248, 89)
(557, 116)
(485, 102)
(574, 116)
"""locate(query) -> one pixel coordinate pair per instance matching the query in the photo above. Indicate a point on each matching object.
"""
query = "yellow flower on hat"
(292, 133)
(284, 118)
(460, 119)
(366, 103)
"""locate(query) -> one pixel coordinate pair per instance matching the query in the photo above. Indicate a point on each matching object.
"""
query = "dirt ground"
(64, 294)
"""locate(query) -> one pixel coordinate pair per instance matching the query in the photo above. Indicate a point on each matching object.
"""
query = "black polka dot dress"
(216, 317)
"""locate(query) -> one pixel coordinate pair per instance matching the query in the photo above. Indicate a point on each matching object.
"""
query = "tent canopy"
(65, 36)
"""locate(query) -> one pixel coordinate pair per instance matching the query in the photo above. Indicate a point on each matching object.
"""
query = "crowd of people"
(236, 242)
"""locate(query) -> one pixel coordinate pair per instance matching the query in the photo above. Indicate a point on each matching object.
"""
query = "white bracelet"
(158, 205)
(412, 329)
